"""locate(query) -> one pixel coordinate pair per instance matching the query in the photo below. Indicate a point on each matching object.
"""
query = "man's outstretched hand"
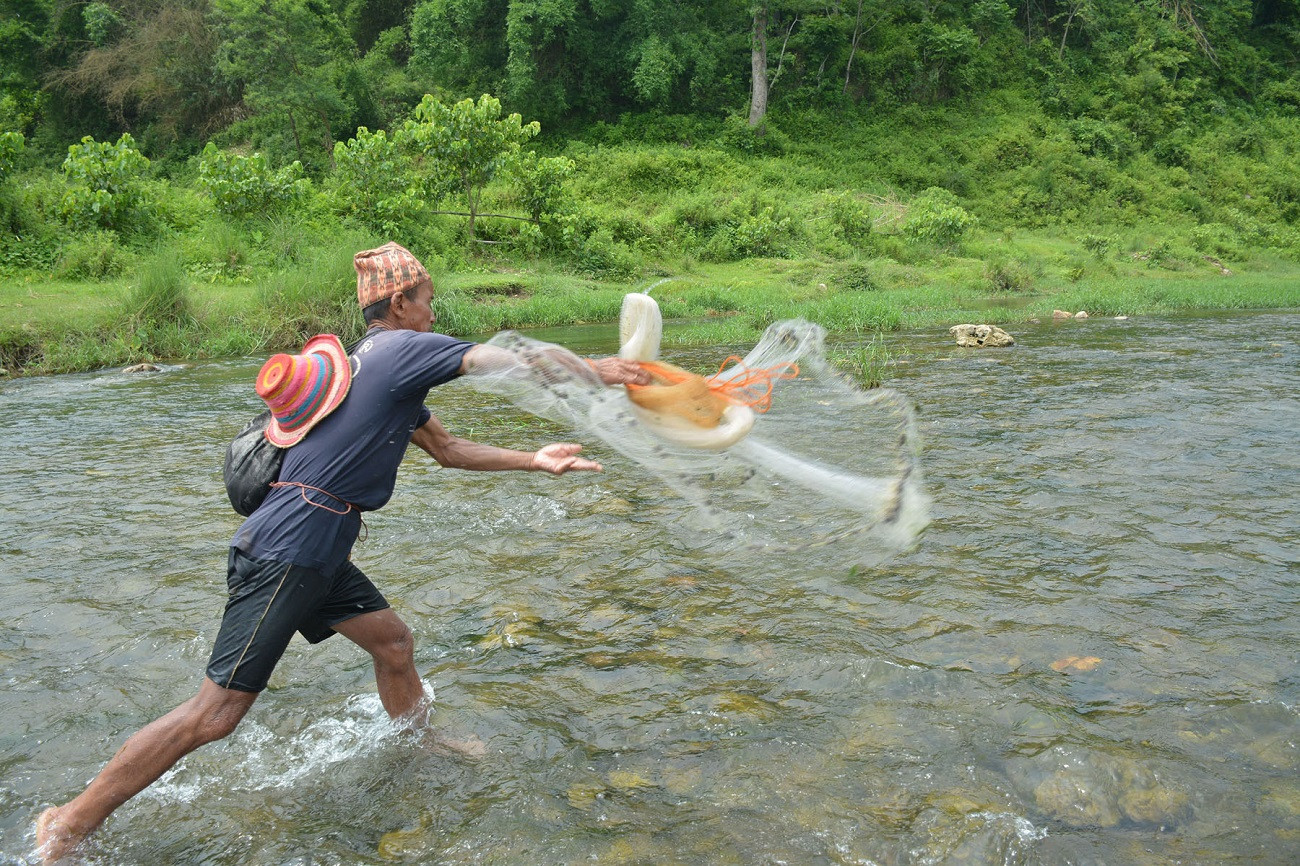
(620, 371)
(560, 457)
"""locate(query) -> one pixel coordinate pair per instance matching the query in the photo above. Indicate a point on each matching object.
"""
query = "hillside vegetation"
(190, 179)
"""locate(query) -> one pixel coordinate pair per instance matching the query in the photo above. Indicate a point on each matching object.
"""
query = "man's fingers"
(585, 465)
(560, 457)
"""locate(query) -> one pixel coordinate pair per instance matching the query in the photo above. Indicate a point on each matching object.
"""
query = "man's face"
(416, 313)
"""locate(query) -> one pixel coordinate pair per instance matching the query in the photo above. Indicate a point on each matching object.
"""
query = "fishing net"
(776, 451)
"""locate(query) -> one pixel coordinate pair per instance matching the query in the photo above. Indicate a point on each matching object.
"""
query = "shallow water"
(1114, 499)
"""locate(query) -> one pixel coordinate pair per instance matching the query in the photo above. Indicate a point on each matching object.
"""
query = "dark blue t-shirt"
(354, 452)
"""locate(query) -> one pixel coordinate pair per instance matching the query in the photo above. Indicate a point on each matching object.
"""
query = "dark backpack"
(253, 463)
(252, 466)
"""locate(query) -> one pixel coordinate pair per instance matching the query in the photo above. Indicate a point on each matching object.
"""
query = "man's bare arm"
(454, 452)
(611, 371)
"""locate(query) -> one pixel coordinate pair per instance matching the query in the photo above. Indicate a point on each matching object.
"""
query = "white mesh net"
(830, 466)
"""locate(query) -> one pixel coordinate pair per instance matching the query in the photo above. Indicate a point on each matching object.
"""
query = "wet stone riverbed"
(1090, 657)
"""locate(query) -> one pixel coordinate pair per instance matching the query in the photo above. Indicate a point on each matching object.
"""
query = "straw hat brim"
(329, 346)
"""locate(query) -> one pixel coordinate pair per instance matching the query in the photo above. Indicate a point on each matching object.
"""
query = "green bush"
(318, 295)
(219, 251)
(935, 217)
(1008, 275)
(764, 139)
(11, 149)
(540, 183)
(851, 216)
(93, 255)
(1099, 245)
(858, 277)
(105, 185)
(374, 181)
(763, 234)
(161, 297)
(721, 246)
(1216, 239)
(245, 186)
(603, 256)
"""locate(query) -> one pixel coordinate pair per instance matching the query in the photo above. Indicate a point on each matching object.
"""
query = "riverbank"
(160, 312)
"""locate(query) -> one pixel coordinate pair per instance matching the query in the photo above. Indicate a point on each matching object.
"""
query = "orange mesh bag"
(679, 393)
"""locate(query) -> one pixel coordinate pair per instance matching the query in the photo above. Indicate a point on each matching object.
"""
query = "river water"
(1090, 656)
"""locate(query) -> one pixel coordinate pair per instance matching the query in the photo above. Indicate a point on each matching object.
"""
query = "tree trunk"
(293, 125)
(470, 200)
(758, 67)
(853, 46)
(329, 139)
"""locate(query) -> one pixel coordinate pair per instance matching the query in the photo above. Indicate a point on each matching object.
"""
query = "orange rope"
(303, 488)
(752, 388)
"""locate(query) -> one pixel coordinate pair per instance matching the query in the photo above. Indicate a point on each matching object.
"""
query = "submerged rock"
(1078, 799)
(957, 831)
(142, 368)
(979, 336)
(1091, 789)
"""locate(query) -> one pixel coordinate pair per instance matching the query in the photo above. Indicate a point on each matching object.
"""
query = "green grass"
(61, 326)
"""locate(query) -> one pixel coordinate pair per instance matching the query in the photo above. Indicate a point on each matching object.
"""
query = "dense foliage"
(247, 134)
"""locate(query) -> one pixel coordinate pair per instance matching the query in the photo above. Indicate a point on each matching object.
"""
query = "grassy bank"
(994, 210)
(158, 311)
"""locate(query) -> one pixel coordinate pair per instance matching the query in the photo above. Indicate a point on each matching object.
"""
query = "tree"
(292, 57)
(460, 44)
(11, 148)
(105, 184)
(245, 186)
(21, 56)
(466, 145)
(154, 64)
(374, 180)
(761, 77)
(758, 67)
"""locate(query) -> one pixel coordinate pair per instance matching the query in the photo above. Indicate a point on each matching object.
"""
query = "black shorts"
(269, 601)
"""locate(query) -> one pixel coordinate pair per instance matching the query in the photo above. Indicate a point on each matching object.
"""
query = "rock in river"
(981, 336)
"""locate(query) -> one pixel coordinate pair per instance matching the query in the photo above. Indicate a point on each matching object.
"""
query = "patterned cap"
(300, 390)
(382, 272)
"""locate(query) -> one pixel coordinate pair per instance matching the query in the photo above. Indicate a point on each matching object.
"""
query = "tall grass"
(161, 296)
(867, 363)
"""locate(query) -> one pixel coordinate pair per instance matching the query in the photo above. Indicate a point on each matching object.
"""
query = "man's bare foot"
(55, 840)
(442, 743)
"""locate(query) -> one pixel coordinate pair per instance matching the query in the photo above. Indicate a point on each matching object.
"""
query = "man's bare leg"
(389, 642)
(153, 750)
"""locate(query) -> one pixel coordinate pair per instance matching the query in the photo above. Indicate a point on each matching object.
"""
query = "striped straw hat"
(384, 271)
(300, 390)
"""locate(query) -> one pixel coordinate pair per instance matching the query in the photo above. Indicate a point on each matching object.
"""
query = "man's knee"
(214, 727)
(397, 649)
(215, 712)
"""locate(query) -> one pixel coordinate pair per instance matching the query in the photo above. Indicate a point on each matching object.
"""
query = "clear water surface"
(1090, 657)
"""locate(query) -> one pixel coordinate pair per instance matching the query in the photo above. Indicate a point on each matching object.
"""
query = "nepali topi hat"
(302, 389)
(382, 272)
